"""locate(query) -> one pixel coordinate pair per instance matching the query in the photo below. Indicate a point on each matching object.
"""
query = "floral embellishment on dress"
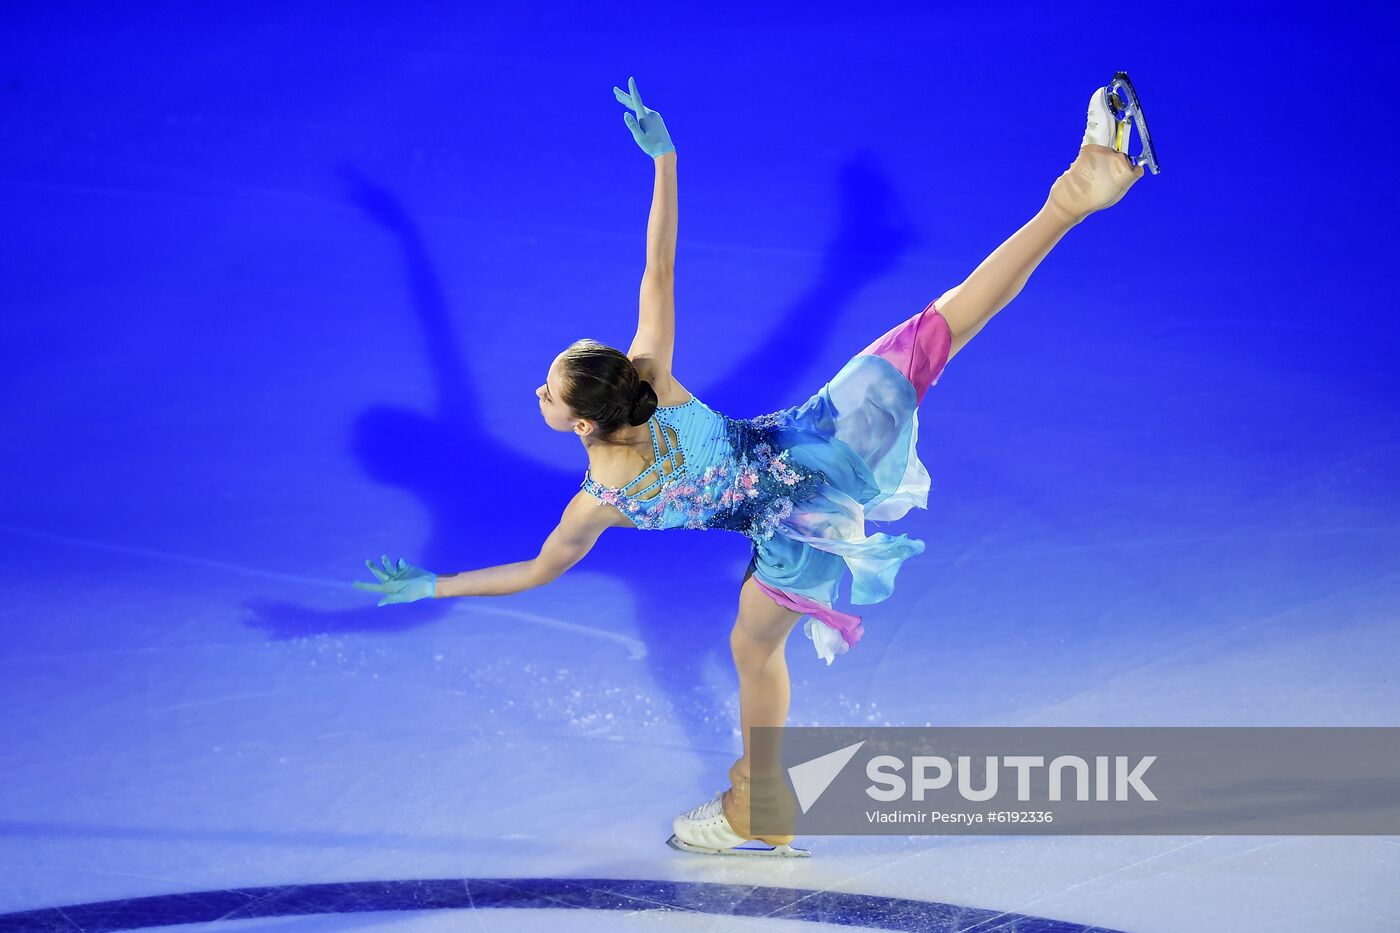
(768, 523)
(782, 470)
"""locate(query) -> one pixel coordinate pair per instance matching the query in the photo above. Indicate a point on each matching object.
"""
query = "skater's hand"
(647, 127)
(403, 583)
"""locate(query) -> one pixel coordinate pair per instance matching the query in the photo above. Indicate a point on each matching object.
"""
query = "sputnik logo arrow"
(811, 778)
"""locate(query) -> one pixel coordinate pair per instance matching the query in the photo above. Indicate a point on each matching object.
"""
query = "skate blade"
(1122, 97)
(751, 848)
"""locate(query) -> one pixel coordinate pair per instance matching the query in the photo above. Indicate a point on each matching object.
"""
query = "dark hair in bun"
(602, 385)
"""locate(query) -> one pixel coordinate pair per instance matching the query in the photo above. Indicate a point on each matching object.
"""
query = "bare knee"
(761, 629)
(753, 655)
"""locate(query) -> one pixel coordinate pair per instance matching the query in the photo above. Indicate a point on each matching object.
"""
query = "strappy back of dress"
(668, 461)
(677, 432)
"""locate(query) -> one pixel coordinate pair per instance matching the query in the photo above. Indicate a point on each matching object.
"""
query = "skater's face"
(552, 408)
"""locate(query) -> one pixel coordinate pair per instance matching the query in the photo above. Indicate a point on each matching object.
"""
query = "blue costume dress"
(801, 482)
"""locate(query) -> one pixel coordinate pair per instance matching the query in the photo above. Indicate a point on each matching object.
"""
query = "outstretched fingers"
(632, 98)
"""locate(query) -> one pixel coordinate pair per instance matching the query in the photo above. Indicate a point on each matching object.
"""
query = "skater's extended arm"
(578, 529)
(656, 317)
(656, 322)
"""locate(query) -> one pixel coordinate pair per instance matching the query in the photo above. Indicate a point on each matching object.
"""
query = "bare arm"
(578, 529)
(656, 317)
(661, 222)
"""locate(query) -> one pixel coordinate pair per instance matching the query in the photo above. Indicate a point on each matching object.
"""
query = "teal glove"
(402, 584)
(647, 127)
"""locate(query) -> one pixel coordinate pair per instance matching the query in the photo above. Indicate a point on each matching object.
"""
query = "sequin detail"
(751, 490)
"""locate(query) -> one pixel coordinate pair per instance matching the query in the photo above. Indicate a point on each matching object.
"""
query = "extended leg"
(1096, 179)
(999, 278)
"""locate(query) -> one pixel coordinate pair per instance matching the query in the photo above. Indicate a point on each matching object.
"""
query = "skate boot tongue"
(1100, 126)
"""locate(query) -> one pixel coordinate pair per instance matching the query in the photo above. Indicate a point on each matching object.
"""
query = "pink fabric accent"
(848, 625)
(918, 348)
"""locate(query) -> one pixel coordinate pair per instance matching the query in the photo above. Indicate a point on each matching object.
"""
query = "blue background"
(279, 283)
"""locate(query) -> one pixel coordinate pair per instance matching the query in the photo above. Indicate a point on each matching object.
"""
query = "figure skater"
(800, 482)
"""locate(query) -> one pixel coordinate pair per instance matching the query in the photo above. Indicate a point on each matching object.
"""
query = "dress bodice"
(804, 481)
(712, 471)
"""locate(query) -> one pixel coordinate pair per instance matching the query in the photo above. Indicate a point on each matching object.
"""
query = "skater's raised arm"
(578, 530)
(656, 319)
(656, 314)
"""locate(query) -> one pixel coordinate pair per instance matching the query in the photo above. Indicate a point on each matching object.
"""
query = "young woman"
(799, 482)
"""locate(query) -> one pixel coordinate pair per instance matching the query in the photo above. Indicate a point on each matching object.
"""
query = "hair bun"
(643, 405)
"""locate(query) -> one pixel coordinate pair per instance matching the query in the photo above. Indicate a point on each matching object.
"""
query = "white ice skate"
(1113, 111)
(1103, 171)
(706, 830)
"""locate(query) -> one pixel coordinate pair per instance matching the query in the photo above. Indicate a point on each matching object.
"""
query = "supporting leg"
(757, 643)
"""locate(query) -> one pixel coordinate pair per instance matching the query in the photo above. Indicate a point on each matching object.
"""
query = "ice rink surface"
(278, 287)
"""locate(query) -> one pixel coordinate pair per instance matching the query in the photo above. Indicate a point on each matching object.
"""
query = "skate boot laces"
(707, 809)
